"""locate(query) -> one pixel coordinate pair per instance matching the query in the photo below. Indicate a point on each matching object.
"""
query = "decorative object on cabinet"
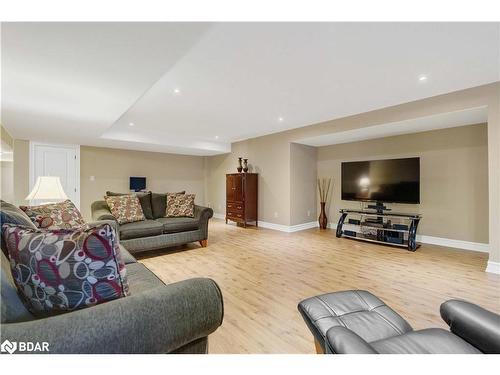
(324, 190)
(240, 167)
(241, 198)
(245, 165)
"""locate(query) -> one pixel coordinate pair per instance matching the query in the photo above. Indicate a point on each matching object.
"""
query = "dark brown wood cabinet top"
(241, 198)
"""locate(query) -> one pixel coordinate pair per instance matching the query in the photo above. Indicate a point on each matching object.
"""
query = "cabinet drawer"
(235, 207)
(235, 215)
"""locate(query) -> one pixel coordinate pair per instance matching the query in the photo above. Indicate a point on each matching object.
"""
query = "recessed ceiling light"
(281, 119)
(131, 124)
(216, 137)
(422, 78)
(177, 91)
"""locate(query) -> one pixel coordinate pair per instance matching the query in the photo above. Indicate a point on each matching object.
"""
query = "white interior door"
(62, 161)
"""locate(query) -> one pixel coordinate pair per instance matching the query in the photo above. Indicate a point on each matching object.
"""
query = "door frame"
(74, 147)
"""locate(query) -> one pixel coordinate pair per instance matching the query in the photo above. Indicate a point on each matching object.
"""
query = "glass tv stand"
(388, 228)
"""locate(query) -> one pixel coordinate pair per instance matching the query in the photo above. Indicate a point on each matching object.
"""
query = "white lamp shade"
(47, 187)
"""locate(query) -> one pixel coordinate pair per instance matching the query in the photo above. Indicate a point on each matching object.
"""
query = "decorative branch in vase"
(324, 191)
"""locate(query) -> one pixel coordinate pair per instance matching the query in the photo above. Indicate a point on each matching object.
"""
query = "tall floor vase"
(322, 220)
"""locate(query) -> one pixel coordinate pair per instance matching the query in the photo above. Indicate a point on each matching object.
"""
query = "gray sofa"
(158, 232)
(155, 318)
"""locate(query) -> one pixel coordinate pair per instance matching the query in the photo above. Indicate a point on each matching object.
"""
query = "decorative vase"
(322, 220)
(240, 167)
(245, 165)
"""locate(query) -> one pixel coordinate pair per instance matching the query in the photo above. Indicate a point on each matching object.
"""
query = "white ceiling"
(470, 116)
(85, 82)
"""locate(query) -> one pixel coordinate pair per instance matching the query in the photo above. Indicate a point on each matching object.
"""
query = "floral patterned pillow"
(62, 215)
(62, 270)
(180, 205)
(125, 208)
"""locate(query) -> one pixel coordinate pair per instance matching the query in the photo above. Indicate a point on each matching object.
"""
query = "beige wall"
(7, 167)
(270, 157)
(21, 170)
(494, 175)
(453, 178)
(112, 168)
(303, 175)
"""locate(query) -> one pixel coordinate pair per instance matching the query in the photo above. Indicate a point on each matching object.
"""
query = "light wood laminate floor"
(263, 274)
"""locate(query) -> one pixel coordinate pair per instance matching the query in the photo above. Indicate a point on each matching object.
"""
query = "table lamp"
(47, 188)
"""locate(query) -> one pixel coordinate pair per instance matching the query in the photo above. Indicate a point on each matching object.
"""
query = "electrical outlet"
(308, 212)
(220, 207)
(92, 178)
(275, 214)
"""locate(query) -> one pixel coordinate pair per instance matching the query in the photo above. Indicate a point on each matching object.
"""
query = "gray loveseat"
(155, 318)
(157, 231)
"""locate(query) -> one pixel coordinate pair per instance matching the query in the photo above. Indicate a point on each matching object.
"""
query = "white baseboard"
(493, 267)
(447, 242)
(459, 244)
(279, 227)
(287, 228)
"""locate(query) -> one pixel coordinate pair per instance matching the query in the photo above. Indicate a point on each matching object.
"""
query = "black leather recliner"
(357, 322)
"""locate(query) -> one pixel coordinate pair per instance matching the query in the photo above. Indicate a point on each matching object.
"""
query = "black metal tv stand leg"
(340, 224)
(412, 235)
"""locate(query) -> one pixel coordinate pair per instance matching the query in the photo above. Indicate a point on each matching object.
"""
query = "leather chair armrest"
(477, 326)
(340, 340)
(159, 320)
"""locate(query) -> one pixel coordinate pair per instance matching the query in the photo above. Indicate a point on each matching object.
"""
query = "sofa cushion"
(62, 270)
(125, 208)
(139, 229)
(159, 204)
(13, 309)
(179, 224)
(144, 200)
(180, 205)
(61, 215)
(141, 279)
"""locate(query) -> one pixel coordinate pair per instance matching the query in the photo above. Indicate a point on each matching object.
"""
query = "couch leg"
(203, 243)
(319, 349)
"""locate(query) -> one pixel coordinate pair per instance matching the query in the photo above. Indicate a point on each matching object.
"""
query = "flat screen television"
(137, 183)
(385, 181)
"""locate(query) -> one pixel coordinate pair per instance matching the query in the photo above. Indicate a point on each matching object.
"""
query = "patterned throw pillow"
(63, 270)
(125, 208)
(62, 215)
(144, 200)
(180, 205)
(159, 203)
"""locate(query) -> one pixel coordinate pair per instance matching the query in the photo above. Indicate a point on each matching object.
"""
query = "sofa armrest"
(340, 340)
(204, 214)
(100, 211)
(477, 326)
(159, 320)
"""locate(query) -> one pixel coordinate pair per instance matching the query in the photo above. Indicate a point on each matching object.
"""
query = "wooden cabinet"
(241, 197)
